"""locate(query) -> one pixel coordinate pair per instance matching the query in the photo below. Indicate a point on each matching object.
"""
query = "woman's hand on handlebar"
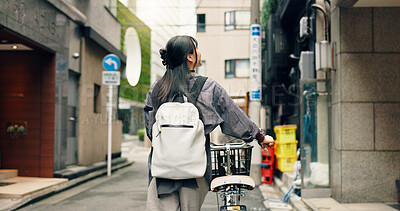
(268, 141)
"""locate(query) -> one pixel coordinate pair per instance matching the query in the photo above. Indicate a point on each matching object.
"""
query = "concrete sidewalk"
(63, 179)
(80, 174)
(327, 204)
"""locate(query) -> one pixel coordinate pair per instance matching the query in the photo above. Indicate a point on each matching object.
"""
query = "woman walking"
(180, 57)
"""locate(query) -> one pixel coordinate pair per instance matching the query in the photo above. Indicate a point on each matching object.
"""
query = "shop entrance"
(27, 99)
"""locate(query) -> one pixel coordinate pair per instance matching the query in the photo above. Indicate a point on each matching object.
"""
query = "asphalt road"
(126, 189)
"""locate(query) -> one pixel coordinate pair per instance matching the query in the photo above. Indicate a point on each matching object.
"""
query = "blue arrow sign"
(111, 62)
(255, 30)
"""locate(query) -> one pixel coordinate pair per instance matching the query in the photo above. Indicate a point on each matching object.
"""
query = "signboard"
(111, 62)
(255, 62)
(255, 93)
(111, 78)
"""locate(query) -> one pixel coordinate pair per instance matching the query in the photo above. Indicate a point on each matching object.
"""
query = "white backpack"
(178, 139)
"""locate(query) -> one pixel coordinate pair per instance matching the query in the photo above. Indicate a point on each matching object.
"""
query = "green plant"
(128, 19)
(141, 134)
(137, 93)
(269, 7)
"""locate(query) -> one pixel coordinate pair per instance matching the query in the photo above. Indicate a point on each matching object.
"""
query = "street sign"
(111, 62)
(255, 30)
(111, 78)
(255, 62)
(255, 93)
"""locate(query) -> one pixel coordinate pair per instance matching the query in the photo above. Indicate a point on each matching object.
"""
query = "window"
(237, 20)
(96, 98)
(201, 22)
(202, 69)
(237, 68)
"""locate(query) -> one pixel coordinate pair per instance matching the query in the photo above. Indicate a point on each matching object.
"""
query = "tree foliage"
(269, 7)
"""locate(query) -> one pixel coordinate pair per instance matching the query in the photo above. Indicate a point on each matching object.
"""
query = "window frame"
(232, 61)
(202, 25)
(233, 26)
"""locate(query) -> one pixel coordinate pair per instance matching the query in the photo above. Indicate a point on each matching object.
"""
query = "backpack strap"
(195, 92)
(197, 86)
(178, 97)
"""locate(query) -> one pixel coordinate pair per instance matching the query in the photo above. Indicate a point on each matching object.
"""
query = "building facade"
(365, 148)
(336, 77)
(96, 42)
(223, 33)
(48, 111)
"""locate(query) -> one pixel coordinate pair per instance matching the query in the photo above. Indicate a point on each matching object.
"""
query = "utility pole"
(255, 12)
(255, 85)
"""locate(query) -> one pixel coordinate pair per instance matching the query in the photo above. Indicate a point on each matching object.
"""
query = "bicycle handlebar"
(229, 145)
(234, 146)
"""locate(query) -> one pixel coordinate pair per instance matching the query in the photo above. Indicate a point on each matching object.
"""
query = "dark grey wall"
(40, 22)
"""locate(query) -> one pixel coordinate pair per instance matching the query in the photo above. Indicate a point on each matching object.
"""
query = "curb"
(79, 171)
(35, 196)
(295, 201)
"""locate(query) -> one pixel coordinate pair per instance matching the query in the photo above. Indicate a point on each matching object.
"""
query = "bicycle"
(230, 169)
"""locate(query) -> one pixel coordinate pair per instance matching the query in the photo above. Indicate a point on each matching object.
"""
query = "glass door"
(314, 137)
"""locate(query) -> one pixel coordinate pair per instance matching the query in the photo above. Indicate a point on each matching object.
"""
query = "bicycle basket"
(240, 161)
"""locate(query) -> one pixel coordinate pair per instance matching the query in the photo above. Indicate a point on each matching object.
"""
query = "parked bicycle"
(230, 169)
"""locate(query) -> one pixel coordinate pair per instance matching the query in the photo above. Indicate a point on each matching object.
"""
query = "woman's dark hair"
(177, 75)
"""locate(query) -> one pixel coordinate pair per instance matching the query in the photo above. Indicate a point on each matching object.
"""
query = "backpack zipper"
(159, 132)
(175, 126)
(182, 126)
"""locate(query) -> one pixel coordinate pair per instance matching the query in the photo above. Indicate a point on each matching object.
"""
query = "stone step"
(21, 186)
(8, 173)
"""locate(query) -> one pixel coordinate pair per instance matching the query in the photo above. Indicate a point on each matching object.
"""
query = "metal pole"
(110, 97)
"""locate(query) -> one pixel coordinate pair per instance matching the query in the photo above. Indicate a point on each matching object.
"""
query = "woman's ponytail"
(177, 75)
(164, 57)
